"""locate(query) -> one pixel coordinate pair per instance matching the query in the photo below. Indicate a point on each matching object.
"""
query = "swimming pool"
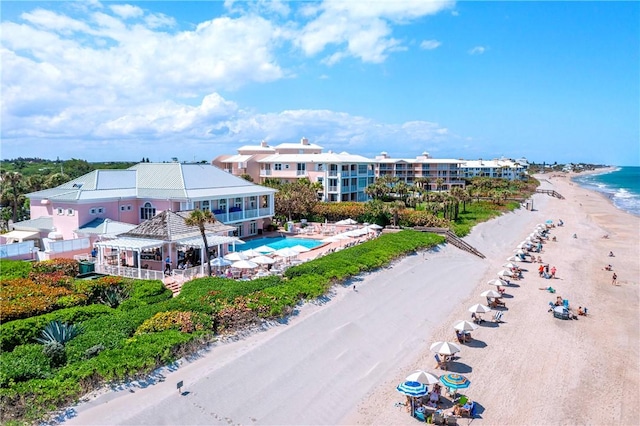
(279, 242)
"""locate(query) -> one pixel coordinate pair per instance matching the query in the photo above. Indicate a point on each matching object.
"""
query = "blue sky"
(110, 80)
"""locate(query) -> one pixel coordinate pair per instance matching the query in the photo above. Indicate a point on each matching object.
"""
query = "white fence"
(69, 245)
(8, 251)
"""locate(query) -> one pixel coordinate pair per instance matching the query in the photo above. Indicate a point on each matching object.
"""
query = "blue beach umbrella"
(412, 388)
(454, 381)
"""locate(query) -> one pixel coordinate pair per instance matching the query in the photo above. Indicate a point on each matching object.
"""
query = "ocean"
(621, 185)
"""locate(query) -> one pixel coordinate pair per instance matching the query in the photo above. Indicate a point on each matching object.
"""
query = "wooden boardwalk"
(550, 192)
(452, 239)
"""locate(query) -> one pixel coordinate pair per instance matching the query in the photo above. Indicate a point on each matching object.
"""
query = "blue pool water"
(279, 242)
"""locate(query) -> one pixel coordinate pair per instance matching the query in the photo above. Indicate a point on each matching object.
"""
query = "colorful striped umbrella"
(412, 389)
(454, 381)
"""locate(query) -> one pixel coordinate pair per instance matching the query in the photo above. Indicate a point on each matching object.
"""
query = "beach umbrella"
(512, 259)
(341, 236)
(519, 251)
(510, 265)
(445, 348)
(490, 293)
(375, 226)
(300, 248)
(286, 252)
(235, 256)
(505, 273)
(454, 381)
(412, 389)
(331, 239)
(463, 325)
(265, 249)
(263, 260)
(244, 264)
(346, 222)
(479, 308)
(220, 261)
(423, 377)
(251, 253)
(497, 282)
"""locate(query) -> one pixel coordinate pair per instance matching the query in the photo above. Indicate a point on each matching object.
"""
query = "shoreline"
(357, 346)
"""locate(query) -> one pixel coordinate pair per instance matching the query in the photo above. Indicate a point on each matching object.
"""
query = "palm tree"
(199, 218)
(12, 190)
(439, 182)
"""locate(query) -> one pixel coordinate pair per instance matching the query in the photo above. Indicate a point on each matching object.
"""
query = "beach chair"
(497, 317)
(438, 418)
(451, 421)
(440, 363)
(419, 415)
(565, 303)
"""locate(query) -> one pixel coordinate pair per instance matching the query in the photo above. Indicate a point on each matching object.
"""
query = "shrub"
(58, 332)
(94, 350)
(186, 322)
(68, 267)
(113, 296)
(15, 268)
(26, 362)
(23, 298)
(55, 352)
(22, 331)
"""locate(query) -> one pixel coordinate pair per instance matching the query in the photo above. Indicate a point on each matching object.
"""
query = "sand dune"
(339, 361)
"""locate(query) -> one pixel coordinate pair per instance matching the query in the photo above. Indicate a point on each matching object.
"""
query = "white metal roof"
(237, 159)
(327, 157)
(131, 243)
(21, 235)
(212, 240)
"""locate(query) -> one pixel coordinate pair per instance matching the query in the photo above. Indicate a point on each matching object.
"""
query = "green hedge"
(15, 268)
(22, 331)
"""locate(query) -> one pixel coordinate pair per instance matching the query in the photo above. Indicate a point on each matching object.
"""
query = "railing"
(265, 212)
(333, 189)
(333, 173)
(233, 217)
(550, 192)
(251, 213)
(126, 271)
(265, 172)
(189, 273)
(16, 249)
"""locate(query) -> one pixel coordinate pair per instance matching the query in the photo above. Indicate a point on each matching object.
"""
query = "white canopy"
(20, 236)
(134, 244)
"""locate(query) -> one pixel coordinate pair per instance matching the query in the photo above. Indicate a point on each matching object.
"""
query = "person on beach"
(553, 272)
(539, 259)
(540, 270)
(608, 268)
(610, 254)
(614, 279)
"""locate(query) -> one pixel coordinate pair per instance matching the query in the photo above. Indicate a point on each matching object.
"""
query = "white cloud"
(126, 11)
(478, 50)
(430, 44)
(360, 29)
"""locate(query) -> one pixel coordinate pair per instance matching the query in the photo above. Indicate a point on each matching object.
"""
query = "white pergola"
(138, 244)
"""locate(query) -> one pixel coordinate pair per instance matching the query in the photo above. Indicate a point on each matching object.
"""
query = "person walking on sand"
(553, 272)
(614, 279)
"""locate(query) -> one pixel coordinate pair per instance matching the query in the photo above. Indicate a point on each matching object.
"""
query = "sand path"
(339, 361)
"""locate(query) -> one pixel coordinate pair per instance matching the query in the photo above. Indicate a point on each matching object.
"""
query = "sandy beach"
(338, 360)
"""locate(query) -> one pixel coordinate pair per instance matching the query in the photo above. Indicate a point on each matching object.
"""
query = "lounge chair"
(476, 318)
(497, 317)
(451, 421)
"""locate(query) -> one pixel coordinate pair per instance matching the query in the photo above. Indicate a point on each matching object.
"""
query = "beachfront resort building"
(499, 168)
(435, 173)
(101, 205)
(343, 176)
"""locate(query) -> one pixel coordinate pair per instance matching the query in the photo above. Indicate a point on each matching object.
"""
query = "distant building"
(343, 176)
(499, 168)
(438, 173)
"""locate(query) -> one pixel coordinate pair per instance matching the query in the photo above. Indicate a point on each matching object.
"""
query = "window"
(129, 207)
(320, 167)
(123, 208)
(147, 211)
(286, 166)
(252, 202)
(277, 166)
(253, 228)
(205, 206)
(100, 210)
(238, 203)
(59, 211)
(70, 212)
(92, 211)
